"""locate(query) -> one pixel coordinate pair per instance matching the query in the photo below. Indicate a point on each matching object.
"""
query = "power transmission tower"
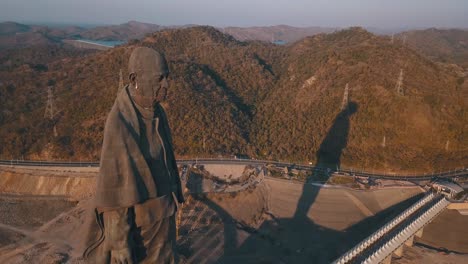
(204, 143)
(121, 84)
(399, 85)
(344, 103)
(50, 109)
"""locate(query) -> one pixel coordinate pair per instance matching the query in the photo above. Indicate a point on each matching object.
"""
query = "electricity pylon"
(121, 84)
(50, 109)
(399, 85)
(344, 103)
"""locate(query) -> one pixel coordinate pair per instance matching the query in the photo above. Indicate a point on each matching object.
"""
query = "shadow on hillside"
(331, 148)
(299, 239)
(328, 159)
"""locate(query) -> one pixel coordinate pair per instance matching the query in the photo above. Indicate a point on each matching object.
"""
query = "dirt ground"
(421, 254)
(448, 230)
(313, 223)
(31, 212)
(277, 222)
(22, 216)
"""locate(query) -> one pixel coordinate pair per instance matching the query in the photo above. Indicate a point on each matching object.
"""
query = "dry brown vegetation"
(285, 33)
(263, 100)
(445, 45)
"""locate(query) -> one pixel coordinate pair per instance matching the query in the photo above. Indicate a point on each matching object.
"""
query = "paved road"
(456, 173)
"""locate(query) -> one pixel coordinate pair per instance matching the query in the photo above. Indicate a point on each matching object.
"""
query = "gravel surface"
(31, 212)
(8, 236)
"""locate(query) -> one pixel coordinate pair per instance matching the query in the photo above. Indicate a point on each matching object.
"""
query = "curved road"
(457, 173)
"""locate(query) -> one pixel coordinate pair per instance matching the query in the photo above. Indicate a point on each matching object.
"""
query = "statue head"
(148, 77)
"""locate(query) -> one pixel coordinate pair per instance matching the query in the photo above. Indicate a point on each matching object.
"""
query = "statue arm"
(179, 195)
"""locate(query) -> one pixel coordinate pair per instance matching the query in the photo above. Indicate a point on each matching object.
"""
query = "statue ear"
(132, 77)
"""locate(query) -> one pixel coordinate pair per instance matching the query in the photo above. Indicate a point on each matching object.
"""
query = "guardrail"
(400, 225)
(448, 174)
(463, 172)
(410, 230)
(359, 248)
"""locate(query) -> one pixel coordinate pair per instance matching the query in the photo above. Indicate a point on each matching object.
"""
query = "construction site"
(234, 213)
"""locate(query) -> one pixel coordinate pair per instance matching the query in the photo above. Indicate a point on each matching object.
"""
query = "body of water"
(108, 43)
(280, 42)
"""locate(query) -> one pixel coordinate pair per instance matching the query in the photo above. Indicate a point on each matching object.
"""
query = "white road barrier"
(387, 248)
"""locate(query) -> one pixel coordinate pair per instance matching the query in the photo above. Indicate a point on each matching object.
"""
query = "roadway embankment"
(70, 183)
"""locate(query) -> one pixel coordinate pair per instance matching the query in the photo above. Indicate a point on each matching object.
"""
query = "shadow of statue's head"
(352, 108)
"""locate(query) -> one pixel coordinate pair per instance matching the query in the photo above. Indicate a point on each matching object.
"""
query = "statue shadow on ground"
(298, 239)
(204, 250)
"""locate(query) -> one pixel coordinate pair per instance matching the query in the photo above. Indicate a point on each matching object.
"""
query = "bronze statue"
(138, 187)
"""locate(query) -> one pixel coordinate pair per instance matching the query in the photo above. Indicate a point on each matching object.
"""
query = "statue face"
(148, 77)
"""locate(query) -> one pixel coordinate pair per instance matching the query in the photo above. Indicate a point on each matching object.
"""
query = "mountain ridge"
(259, 99)
(444, 45)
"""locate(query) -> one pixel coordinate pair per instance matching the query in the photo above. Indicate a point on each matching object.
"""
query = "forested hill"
(445, 45)
(262, 100)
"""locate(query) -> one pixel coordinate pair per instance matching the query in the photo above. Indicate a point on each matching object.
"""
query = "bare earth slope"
(279, 221)
(265, 223)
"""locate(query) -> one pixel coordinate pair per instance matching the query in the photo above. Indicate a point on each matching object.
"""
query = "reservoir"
(107, 43)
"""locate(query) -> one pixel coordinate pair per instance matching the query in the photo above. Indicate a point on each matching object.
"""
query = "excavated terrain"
(274, 221)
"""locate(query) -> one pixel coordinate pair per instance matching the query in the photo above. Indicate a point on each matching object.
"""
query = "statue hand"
(117, 234)
(121, 256)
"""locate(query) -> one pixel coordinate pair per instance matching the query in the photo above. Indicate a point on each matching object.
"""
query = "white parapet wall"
(397, 241)
(225, 171)
(409, 231)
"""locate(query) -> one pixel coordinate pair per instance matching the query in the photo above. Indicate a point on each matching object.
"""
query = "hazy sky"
(335, 13)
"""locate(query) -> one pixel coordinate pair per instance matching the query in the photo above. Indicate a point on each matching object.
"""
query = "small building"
(447, 188)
